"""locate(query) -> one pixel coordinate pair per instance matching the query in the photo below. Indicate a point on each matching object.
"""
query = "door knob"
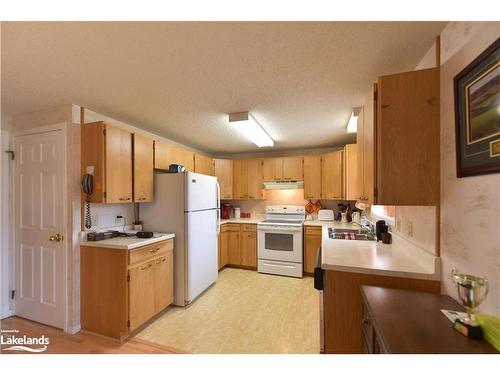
(56, 237)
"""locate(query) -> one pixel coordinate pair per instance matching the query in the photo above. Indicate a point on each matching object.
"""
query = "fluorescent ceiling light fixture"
(247, 126)
(352, 125)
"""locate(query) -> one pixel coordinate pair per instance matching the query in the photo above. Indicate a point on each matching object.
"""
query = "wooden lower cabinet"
(238, 245)
(248, 245)
(141, 294)
(312, 241)
(123, 289)
(342, 306)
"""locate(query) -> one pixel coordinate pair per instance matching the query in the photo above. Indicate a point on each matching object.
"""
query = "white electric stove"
(279, 241)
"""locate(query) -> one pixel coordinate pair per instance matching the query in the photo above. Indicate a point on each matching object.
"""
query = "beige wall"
(470, 206)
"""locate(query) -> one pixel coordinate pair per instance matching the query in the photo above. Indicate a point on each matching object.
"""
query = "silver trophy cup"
(472, 290)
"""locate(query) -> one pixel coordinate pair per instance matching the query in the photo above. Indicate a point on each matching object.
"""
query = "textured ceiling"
(180, 79)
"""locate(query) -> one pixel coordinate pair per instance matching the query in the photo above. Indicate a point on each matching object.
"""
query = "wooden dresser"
(408, 322)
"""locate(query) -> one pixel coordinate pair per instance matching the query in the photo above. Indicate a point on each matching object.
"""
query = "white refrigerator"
(187, 204)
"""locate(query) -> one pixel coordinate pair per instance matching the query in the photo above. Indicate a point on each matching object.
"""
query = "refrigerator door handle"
(218, 207)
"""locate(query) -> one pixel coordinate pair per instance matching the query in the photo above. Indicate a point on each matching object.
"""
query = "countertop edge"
(145, 242)
(379, 272)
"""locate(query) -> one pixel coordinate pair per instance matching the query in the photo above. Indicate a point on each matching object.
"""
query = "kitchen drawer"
(230, 228)
(249, 227)
(315, 231)
(145, 252)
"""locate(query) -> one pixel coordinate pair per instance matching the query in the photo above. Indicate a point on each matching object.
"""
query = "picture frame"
(477, 114)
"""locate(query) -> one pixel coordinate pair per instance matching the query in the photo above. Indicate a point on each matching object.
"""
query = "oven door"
(280, 244)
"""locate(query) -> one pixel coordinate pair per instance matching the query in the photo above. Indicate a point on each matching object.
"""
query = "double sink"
(361, 234)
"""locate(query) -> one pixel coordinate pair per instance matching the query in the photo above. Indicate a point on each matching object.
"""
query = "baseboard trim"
(74, 330)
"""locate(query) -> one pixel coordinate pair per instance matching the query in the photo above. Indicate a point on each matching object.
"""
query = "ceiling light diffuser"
(247, 126)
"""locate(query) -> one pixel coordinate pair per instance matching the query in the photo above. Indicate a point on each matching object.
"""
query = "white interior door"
(39, 219)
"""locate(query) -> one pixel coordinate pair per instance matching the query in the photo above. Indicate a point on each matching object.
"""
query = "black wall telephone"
(88, 188)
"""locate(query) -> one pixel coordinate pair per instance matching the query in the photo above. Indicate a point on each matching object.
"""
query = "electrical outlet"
(119, 220)
(409, 229)
(398, 224)
(94, 220)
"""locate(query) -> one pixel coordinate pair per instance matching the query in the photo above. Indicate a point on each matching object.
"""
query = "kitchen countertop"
(127, 243)
(399, 259)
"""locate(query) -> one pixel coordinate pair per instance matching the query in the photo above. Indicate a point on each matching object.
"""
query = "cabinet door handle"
(161, 260)
(146, 267)
(154, 251)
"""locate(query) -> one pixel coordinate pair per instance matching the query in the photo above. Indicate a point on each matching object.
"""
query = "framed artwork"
(477, 114)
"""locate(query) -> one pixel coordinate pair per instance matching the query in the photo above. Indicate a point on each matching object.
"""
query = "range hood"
(281, 185)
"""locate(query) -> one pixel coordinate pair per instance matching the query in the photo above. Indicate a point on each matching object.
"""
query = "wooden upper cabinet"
(407, 138)
(293, 168)
(312, 177)
(273, 169)
(203, 164)
(351, 172)
(366, 150)
(332, 176)
(223, 170)
(168, 153)
(143, 168)
(247, 179)
(118, 165)
(160, 155)
(107, 149)
(255, 178)
(288, 168)
(240, 179)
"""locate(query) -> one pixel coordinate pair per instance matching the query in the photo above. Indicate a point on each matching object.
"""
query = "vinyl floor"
(244, 312)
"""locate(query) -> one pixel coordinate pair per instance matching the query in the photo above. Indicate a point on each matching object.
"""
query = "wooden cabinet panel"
(273, 169)
(332, 176)
(223, 248)
(203, 164)
(342, 306)
(141, 294)
(104, 291)
(312, 177)
(118, 165)
(351, 172)
(168, 153)
(312, 242)
(163, 281)
(160, 155)
(233, 247)
(115, 290)
(407, 138)
(240, 179)
(223, 169)
(293, 168)
(248, 246)
(93, 152)
(254, 178)
(143, 168)
(365, 150)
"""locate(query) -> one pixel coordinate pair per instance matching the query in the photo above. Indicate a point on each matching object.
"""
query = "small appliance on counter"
(225, 210)
(380, 228)
(237, 213)
(325, 215)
